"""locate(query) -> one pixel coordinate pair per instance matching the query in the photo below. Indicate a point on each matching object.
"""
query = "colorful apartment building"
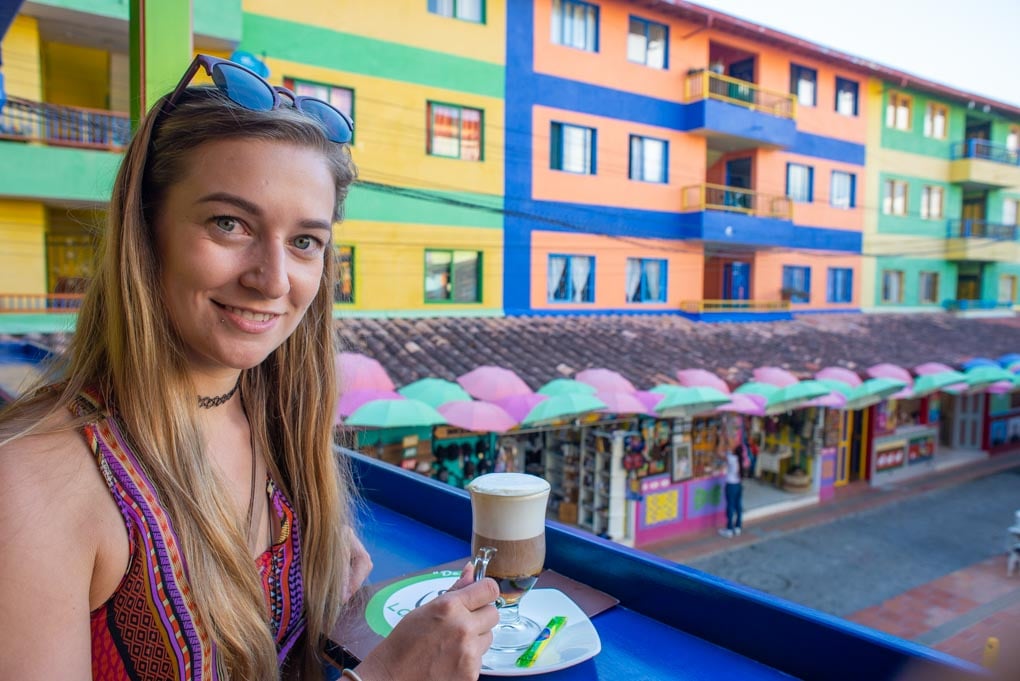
(556, 157)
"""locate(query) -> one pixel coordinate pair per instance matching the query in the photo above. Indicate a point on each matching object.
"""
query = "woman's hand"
(361, 565)
(443, 639)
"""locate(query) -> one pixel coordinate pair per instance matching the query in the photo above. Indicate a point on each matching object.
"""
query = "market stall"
(905, 435)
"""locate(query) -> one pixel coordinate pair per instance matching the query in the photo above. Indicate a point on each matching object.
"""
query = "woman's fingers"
(361, 565)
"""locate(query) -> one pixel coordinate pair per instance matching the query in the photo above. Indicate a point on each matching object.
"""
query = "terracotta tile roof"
(649, 349)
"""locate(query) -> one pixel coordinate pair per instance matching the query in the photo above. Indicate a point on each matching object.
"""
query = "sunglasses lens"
(248, 90)
(338, 128)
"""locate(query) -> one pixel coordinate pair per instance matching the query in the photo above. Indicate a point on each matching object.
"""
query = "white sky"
(973, 45)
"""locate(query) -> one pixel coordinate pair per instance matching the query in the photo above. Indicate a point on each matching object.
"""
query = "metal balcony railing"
(699, 197)
(23, 119)
(981, 229)
(989, 151)
(36, 303)
(708, 85)
(699, 306)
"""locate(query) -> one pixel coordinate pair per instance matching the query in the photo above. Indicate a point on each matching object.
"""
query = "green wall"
(912, 268)
(214, 18)
(36, 171)
(914, 141)
(912, 223)
(430, 207)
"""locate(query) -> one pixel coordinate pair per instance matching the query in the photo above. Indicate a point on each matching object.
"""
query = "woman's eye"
(306, 243)
(226, 224)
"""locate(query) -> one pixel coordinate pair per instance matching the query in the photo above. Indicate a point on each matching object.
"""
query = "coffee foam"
(508, 506)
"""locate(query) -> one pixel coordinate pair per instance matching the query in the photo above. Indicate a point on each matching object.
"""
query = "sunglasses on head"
(248, 89)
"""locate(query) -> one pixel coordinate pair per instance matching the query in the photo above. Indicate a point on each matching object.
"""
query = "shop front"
(905, 435)
(1002, 433)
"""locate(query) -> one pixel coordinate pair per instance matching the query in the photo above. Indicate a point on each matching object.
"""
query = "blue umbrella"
(1009, 359)
(979, 362)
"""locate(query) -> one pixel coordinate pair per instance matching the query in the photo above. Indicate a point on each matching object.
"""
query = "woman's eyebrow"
(224, 197)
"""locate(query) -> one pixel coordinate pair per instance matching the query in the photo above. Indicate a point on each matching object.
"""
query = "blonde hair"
(126, 347)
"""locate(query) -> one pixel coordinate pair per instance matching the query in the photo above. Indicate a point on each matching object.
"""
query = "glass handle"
(481, 561)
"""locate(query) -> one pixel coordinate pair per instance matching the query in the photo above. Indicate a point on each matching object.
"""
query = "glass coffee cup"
(508, 540)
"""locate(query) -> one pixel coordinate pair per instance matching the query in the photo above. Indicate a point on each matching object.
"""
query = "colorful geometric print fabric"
(150, 629)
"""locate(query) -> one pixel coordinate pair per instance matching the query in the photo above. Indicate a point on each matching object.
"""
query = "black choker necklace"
(210, 402)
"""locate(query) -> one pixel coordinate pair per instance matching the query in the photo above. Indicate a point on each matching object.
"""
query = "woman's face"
(241, 239)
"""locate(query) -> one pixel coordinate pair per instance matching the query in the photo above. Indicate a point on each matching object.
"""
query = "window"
(843, 190)
(802, 83)
(897, 111)
(894, 197)
(468, 10)
(935, 118)
(846, 97)
(571, 279)
(840, 288)
(928, 287)
(796, 284)
(799, 182)
(344, 291)
(455, 132)
(1013, 139)
(1007, 289)
(646, 280)
(892, 286)
(931, 203)
(1010, 211)
(647, 43)
(340, 97)
(575, 24)
(648, 158)
(453, 276)
(572, 149)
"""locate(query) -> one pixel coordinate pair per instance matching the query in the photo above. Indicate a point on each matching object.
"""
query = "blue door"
(736, 281)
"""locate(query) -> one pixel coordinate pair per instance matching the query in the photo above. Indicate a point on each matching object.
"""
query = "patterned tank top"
(150, 629)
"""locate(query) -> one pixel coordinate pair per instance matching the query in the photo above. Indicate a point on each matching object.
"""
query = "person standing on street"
(734, 456)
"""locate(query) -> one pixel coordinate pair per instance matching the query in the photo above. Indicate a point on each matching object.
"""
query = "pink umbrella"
(702, 378)
(519, 406)
(605, 380)
(839, 374)
(745, 403)
(834, 400)
(480, 417)
(897, 373)
(490, 383)
(649, 399)
(352, 399)
(931, 368)
(622, 403)
(361, 372)
(999, 387)
(775, 376)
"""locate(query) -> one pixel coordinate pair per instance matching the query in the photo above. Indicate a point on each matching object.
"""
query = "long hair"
(127, 349)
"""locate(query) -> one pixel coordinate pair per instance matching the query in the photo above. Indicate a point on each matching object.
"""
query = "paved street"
(862, 560)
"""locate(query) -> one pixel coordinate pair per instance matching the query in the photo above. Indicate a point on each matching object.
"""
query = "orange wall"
(770, 171)
(767, 276)
(610, 186)
(683, 277)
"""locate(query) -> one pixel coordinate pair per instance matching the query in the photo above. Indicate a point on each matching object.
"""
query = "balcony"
(980, 165)
(23, 119)
(737, 216)
(982, 241)
(737, 114)
(736, 310)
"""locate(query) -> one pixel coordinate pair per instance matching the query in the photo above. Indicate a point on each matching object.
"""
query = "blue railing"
(981, 229)
(23, 119)
(989, 151)
(977, 304)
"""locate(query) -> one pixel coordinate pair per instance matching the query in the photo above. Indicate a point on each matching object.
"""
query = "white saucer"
(576, 642)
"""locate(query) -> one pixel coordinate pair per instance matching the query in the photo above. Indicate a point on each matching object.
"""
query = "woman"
(173, 508)
(734, 456)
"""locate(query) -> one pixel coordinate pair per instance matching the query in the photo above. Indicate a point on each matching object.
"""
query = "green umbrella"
(872, 391)
(405, 413)
(983, 376)
(566, 386)
(689, 401)
(754, 388)
(791, 396)
(932, 383)
(434, 392)
(666, 388)
(836, 386)
(560, 407)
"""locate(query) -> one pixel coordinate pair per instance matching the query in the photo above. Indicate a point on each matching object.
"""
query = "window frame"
(481, 11)
(840, 81)
(430, 119)
(452, 277)
(561, 6)
(922, 298)
(806, 290)
(891, 195)
(833, 292)
(852, 198)
(570, 280)
(648, 24)
(293, 84)
(354, 289)
(928, 192)
(556, 148)
(895, 100)
(898, 274)
(630, 158)
(642, 287)
(930, 112)
(810, 183)
(1015, 203)
(796, 71)
(1012, 279)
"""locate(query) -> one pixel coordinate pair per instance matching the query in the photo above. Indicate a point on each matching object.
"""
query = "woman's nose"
(267, 272)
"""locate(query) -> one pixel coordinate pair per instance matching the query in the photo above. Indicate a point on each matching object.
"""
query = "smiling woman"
(191, 518)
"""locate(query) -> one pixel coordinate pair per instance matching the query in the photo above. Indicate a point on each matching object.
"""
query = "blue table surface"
(633, 646)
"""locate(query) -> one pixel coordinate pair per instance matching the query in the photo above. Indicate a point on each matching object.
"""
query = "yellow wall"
(389, 264)
(390, 131)
(22, 77)
(406, 22)
(872, 91)
(23, 256)
(76, 76)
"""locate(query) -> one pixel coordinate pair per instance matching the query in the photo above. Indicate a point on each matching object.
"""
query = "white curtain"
(839, 193)
(633, 279)
(654, 161)
(557, 269)
(653, 274)
(442, 7)
(580, 270)
(576, 143)
(469, 10)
